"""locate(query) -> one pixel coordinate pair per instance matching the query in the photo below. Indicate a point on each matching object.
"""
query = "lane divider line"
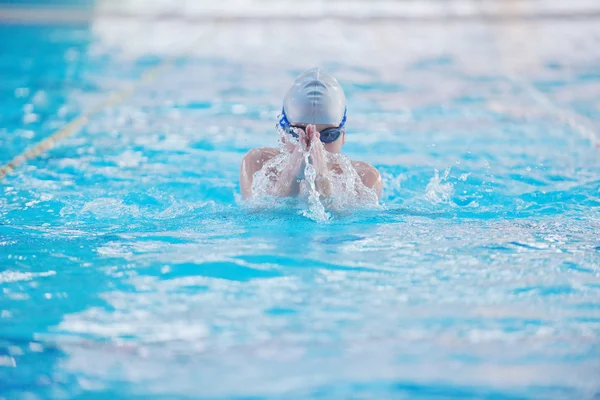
(76, 124)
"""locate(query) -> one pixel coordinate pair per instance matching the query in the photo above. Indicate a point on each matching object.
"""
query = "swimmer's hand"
(318, 159)
(288, 182)
(309, 141)
(301, 144)
(317, 151)
(304, 139)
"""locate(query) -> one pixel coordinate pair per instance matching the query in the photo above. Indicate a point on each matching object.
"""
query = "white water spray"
(438, 192)
(348, 191)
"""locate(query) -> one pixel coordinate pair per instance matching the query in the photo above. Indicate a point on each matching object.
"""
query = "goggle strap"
(285, 123)
(343, 118)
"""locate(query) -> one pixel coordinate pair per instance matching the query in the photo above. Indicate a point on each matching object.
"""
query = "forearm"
(323, 183)
(251, 163)
(287, 183)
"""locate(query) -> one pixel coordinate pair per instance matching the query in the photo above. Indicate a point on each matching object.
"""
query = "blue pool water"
(129, 268)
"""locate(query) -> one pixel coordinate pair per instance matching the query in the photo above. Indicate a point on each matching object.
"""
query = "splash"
(348, 191)
(316, 209)
(439, 190)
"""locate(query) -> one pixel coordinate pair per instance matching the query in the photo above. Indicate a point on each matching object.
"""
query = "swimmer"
(312, 127)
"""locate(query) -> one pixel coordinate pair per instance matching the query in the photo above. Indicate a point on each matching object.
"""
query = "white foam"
(438, 190)
(349, 193)
(16, 276)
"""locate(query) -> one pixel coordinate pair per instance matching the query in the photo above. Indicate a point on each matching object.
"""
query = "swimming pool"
(129, 269)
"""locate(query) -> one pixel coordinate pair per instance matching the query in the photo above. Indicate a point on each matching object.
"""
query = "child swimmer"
(312, 124)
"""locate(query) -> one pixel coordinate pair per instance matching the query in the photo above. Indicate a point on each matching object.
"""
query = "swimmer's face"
(336, 145)
(320, 127)
(332, 147)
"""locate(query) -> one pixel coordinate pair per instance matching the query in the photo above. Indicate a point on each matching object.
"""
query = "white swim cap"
(315, 98)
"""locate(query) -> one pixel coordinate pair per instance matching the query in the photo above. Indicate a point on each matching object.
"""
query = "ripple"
(129, 267)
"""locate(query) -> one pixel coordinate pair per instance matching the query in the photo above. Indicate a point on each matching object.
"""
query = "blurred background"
(128, 266)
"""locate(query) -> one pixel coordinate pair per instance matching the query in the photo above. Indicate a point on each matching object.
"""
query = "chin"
(333, 149)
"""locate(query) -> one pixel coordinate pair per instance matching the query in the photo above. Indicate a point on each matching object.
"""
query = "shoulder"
(260, 155)
(262, 151)
(253, 161)
(365, 170)
(369, 175)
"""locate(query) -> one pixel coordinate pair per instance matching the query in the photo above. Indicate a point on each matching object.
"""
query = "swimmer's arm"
(251, 163)
(319, 162)
(323, 185)
(370, 177)
(374, 182)
(288, 182)
(322, 180)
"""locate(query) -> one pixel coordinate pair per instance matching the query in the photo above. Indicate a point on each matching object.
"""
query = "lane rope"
(76, 124)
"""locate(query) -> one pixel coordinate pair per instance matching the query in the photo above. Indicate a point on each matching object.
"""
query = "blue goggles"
(328, 135)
